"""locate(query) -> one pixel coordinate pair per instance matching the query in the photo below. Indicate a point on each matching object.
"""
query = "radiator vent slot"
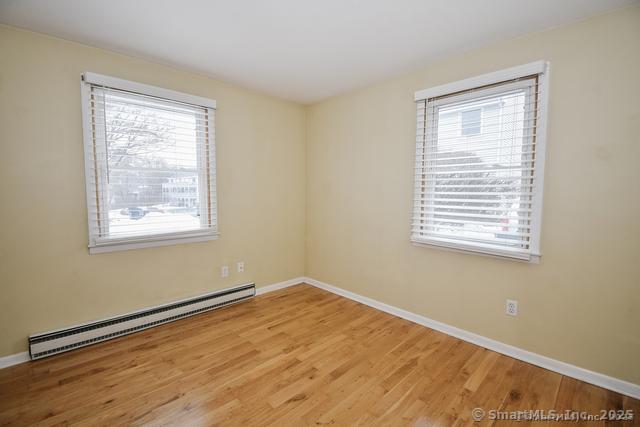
(50, 343)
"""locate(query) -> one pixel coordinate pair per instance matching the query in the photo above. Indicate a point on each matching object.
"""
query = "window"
(150, 165)
(480, 163)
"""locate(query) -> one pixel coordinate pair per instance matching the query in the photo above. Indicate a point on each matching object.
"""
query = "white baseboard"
(270, 288)
(14, 359)
(563, 368)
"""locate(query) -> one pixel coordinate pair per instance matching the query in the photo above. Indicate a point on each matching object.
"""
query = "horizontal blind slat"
(455, 228)
(516, 244)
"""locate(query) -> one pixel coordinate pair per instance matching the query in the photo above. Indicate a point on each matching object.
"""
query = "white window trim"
(147, 243)
(537, 67)
(541, 68)
(144, 89)
(112, 245)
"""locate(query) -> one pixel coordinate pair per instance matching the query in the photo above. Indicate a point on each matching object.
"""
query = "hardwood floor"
(299, 356)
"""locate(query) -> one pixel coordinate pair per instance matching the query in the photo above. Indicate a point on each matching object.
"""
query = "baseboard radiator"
(61, 340)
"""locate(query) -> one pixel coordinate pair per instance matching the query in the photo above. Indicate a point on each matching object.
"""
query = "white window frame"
(100, 245)
(541, 68)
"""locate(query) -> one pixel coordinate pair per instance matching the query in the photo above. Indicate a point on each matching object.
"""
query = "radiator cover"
(61, 340)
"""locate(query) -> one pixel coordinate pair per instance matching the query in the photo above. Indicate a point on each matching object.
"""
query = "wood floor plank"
(298, 356)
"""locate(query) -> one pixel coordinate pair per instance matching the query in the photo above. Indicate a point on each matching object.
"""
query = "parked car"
(510, 225)
(136, 213)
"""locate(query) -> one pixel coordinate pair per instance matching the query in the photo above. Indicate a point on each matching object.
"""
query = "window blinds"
(478, 171)
(150, 167)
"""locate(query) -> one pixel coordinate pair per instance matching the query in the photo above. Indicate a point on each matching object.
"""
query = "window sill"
(475, 250)
(151, 242)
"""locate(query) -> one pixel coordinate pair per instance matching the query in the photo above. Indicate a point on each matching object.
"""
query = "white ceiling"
(303, 50)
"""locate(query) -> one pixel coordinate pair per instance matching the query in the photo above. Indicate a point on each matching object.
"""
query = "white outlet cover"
(241, 267)
(224, 271)
(512, 307)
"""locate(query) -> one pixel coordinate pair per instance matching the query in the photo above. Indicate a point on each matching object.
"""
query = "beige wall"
(581, 303)
(47, 278)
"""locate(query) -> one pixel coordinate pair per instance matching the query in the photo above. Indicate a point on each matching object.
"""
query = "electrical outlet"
(512, 307)
(241, 267)
(224, 271)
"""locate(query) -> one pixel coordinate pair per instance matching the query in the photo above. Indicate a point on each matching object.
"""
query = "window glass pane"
(470, 121)
(479, 170)
(152, 150)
